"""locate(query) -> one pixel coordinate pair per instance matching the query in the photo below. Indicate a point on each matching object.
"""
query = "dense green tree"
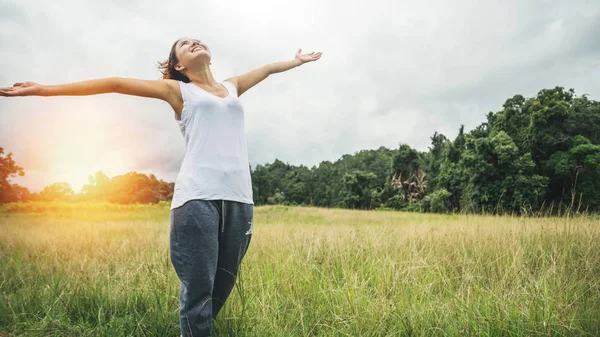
(451, 176)
(577, 171)
(500, 179)
(438, 201)
(434, 157)
(358, 189)
(549, 127)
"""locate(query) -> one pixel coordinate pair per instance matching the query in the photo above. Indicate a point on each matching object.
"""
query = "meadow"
(104, 270)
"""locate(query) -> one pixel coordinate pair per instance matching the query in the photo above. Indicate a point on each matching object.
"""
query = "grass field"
(104, 270)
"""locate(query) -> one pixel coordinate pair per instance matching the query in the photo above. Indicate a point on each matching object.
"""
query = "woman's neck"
(201, 75)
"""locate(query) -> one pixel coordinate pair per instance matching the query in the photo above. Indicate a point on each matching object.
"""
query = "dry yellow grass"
(104, 270)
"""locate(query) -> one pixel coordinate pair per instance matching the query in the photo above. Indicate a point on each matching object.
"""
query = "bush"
(439, 201)
(396, 202)
(415, 206)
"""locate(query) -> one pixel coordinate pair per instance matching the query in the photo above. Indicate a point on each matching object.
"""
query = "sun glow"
(71, 146)
(74, 162)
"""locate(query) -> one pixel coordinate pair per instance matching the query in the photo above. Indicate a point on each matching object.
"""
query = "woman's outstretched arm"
(253, 77)
(167, 90)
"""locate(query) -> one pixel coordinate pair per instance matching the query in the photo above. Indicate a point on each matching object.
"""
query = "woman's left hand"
(304, 58)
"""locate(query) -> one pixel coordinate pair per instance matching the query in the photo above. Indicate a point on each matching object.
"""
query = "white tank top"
(215, 165)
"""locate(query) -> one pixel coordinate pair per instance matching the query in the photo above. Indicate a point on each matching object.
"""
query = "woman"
(212, 207)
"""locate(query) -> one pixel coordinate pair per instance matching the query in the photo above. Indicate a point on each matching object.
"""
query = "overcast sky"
(391, 72)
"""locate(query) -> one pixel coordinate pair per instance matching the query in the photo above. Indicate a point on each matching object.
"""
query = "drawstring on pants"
(222, 216)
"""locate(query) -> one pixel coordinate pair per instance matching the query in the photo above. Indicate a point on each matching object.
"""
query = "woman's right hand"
(22, 89)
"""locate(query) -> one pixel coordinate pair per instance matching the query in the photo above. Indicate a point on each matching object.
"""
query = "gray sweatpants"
(208, 240)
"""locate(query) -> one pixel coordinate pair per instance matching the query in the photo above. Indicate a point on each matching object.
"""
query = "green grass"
(92, 270)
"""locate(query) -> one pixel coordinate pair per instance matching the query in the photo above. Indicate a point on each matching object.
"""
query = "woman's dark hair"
(167, 68)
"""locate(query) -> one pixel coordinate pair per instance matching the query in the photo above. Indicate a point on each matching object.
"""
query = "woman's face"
(191, 51)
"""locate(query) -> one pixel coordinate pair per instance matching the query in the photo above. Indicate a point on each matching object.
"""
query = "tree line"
(538, 153)
(130, 188)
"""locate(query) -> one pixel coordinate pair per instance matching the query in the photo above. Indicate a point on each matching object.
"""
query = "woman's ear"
(179, 67)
